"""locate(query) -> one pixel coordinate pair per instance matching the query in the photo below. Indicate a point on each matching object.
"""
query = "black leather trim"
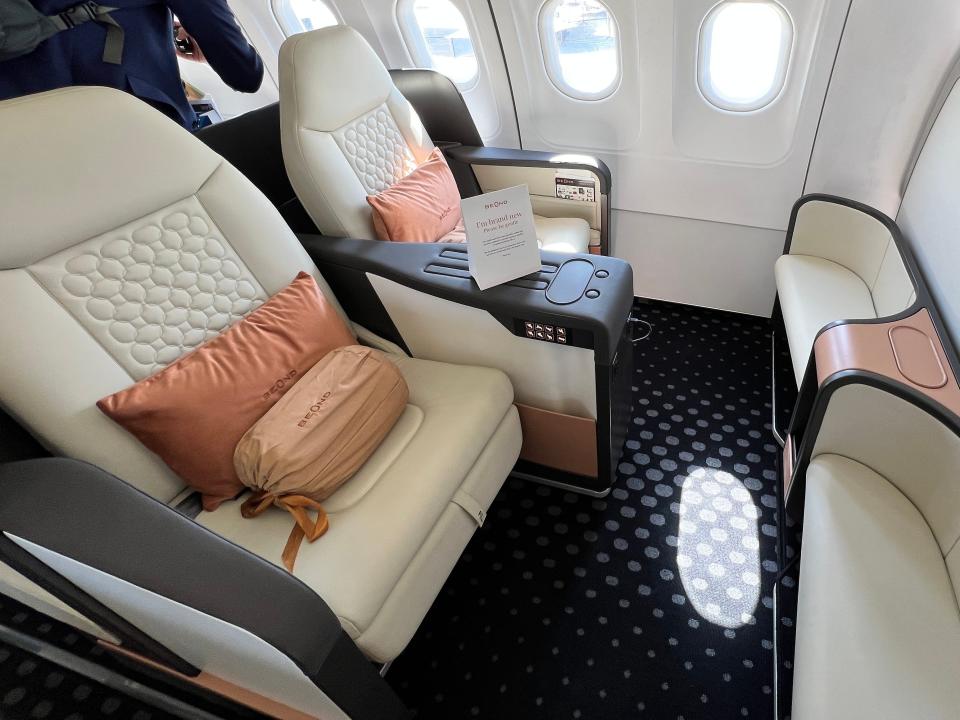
(596, 323)
(251, 143)
(360, 691)
(16, 443)
(531, 158)
(439, 104)
(131, 637)
(343, 260)
(86, 514)
(923, 299)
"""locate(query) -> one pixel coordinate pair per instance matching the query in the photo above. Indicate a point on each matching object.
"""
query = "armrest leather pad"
(532, 158)
(87, 514)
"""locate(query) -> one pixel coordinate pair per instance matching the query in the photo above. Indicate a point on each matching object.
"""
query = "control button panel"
(547, 333)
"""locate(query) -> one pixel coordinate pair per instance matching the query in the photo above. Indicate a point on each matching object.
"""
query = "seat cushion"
(813, 293)
(563, 234)
(878, 631)
(381, 517)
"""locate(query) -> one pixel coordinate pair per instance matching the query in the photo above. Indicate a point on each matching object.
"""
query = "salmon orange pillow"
(422, 207)
(194, 412)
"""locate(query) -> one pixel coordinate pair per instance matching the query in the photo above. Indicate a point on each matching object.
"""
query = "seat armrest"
(60, 517)
(91, 517)
(440, 270)
(534, 159)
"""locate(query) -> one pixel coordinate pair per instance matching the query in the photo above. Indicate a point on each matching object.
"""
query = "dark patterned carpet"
(31, 687)
(655, 602)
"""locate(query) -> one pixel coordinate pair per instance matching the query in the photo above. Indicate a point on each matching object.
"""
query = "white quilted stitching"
(376, 150)
(154, 289)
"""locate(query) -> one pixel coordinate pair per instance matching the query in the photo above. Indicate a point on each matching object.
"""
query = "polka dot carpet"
(654, 602)
(34, 688)
(31, 687)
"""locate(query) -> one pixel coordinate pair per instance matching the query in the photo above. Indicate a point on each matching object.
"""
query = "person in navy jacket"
(148, 68)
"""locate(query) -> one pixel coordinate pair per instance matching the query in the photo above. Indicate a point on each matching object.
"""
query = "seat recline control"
(544, 332)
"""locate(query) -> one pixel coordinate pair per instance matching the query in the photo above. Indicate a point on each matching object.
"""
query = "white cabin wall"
(892, 63)
(701, 197)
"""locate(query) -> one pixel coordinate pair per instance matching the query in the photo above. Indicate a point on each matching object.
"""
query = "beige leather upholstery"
(119, 255)
(843, 265)
(878, 633)
(814, 292)
(562, 234)
(878, 627)
(380, 520)
(350, 134)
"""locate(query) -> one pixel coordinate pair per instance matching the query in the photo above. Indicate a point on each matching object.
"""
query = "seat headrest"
(80, 161)
(334, 62)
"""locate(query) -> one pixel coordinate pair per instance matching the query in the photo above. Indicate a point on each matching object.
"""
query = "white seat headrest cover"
(347, 132)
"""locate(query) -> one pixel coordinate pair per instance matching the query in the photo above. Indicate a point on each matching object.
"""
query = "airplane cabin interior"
(584, 359)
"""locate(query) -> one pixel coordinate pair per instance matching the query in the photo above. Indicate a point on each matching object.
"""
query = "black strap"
(94, 12)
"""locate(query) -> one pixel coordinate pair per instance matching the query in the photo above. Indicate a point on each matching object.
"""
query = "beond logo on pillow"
(280, 384)
(314, 409)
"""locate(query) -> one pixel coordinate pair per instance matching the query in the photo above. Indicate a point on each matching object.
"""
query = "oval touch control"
(571, 282)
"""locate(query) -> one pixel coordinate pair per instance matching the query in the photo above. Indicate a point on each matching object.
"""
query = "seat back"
(346, 130)
(908, 446)
(859, 242)
(126, 243)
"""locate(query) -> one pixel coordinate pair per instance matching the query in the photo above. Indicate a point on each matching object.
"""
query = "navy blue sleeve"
(212, 24)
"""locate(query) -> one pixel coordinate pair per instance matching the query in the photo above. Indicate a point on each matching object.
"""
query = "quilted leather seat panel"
(117, 274)
(154, 289)
(376, 149)
(343, 141)
(110, 274)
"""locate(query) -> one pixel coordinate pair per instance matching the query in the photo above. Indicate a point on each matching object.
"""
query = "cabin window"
(437, 36)
(581, 52)
(297, 16)
(744, 52)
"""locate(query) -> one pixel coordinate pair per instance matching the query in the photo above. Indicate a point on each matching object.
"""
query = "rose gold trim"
(221, 687)
(787, 465)
(594, 250)
(908, 351)
(564, 442)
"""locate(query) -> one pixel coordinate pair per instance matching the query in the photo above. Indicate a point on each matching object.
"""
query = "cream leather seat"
(348, 133)
(815, 292)
(126, 243)
(843, 263)
(398, 527)
(878, 627)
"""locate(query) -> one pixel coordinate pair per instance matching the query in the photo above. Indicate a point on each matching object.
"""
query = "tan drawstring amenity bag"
(317, 436)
